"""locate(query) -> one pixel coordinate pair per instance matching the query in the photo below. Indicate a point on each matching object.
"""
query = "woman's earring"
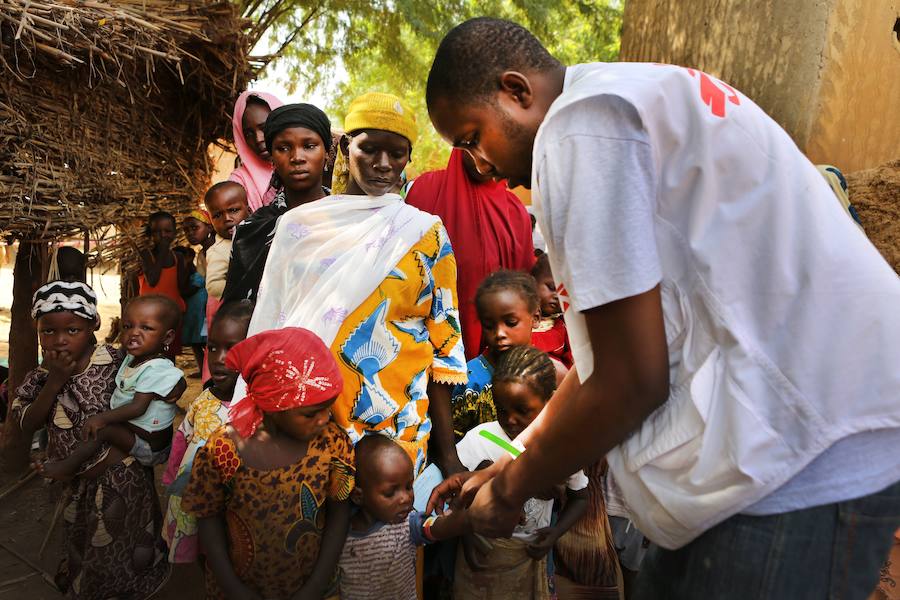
(165, 347)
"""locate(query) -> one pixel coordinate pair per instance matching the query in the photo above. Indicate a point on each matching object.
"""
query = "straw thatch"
(107, 110)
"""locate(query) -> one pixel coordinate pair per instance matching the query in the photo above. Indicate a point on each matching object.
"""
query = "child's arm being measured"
(427, 529)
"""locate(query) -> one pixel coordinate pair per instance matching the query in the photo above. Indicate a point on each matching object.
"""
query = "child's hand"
(60, 366)
(92, 426)
(542, 544)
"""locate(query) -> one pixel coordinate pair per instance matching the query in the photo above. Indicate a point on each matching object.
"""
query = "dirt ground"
(876, 195)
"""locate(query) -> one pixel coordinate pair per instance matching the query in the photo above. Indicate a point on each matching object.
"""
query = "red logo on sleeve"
(714, 96)
(563, 295)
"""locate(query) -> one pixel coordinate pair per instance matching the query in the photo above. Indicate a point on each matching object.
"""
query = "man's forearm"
(583, 428)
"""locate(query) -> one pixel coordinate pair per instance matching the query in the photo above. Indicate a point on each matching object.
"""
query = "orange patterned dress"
(274, 517)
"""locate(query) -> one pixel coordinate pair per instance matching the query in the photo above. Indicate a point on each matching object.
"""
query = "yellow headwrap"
(387, 112)
(201, 215)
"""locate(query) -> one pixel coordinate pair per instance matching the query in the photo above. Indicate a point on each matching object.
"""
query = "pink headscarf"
(254, 173)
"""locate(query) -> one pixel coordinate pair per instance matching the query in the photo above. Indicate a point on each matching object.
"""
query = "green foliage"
(388, 45)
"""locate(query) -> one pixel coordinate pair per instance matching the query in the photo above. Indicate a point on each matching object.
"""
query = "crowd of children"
(265, 489)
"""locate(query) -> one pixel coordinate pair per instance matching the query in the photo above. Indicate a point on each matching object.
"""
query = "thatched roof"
(107, 109)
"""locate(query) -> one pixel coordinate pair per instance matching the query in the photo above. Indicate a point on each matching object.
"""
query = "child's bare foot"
(56, 469)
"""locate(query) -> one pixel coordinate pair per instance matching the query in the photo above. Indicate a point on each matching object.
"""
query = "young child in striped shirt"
(379, 556)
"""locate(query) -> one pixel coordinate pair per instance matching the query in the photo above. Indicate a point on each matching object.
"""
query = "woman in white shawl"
(376, 280)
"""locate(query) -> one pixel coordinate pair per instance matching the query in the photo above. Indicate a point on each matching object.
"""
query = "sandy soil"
(876, 195)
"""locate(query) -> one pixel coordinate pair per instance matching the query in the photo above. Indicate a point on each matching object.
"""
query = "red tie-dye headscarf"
(284, 368)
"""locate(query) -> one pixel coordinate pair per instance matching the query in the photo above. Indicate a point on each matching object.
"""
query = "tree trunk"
(23, 343)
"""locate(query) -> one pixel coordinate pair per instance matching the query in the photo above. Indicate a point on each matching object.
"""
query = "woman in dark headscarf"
(302, 135)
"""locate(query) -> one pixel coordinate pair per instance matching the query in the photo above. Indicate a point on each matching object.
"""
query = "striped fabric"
(58, 296)
(379, 564)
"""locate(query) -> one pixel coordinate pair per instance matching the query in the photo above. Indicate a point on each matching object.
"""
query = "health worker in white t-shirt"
(736, 336)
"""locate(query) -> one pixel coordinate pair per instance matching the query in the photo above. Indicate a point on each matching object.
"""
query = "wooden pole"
(23, 342)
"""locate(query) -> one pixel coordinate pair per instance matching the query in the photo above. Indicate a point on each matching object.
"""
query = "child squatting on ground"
(206, 414)
(139, 421)
(271, 490)
(524, 380)
(379, 556)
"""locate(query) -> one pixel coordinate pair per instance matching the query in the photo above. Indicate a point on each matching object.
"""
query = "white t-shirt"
(474, 449)
(781, 318)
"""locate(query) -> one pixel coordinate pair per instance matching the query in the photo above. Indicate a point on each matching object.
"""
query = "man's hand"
(459, 489)
(92, 426)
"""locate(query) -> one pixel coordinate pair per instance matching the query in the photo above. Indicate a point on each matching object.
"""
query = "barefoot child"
(139, 421)
(109, 546)
(379, 556)
(270, 490)
(207, 413)
(523, 382)
(508, 308)
(549, 333)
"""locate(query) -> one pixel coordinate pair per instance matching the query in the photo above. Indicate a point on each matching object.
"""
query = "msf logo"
(713, 95)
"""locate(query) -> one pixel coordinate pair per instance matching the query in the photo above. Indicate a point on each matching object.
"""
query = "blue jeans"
(829, 552)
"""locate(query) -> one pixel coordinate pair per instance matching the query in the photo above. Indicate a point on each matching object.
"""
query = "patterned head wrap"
(284, 369)
(298, 115)
(201, 215)
(63, 296)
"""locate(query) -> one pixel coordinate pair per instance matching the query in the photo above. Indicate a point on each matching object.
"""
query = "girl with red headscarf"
(488, 226)
(270, 490)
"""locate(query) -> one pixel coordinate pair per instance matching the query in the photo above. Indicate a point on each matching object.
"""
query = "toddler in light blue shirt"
(142, 407)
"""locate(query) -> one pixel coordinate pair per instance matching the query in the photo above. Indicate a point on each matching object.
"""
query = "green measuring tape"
(513, 451)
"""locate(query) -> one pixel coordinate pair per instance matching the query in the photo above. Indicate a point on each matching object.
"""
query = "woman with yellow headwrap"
(376, 280)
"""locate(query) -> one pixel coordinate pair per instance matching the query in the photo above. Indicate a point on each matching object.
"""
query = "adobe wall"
(857, 124)
(826, 70)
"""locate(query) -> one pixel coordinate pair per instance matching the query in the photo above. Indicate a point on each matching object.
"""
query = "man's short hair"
(472, 56)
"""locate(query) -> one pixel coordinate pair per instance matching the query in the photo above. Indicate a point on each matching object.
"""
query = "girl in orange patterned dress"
(270, 490)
